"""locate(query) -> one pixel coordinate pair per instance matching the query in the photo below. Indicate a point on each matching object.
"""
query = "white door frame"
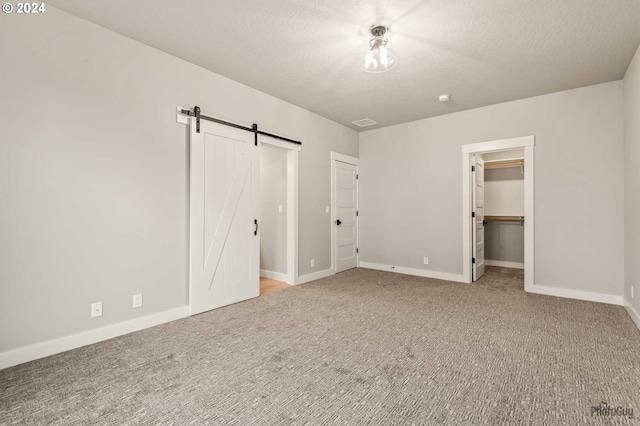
(336, 156)
(293, 152)
(527, 143)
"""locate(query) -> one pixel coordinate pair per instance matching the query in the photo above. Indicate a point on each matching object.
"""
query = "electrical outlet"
(426, 260)
(137, 300)
(280, 208)
(96, 309)
(326, 209)
(632, 292)
(313, 263)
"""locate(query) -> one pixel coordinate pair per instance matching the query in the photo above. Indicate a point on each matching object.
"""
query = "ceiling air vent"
(365, 122)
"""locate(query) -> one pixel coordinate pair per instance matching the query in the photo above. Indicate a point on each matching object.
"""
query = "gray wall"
(504, 241)
(632, 181)
(411, 186)
(273, 225)
(94, 173)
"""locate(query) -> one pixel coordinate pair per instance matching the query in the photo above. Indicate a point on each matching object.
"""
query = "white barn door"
(478, 224)
(224, 265)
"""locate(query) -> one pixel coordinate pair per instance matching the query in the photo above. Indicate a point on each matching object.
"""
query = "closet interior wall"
(504, 197)
(273, 212)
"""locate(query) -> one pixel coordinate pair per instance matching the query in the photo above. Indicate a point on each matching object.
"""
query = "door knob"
(338, 222)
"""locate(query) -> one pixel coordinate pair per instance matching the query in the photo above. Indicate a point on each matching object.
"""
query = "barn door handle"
(255, 222)
(338, 222)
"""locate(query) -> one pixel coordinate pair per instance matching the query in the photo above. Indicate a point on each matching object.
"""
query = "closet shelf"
(503, 163)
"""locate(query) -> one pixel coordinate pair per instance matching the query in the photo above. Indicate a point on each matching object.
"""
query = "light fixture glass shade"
(379, 58)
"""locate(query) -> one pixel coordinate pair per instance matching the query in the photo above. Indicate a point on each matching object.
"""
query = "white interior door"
(224, 243)
(478, 213)
(346, 205)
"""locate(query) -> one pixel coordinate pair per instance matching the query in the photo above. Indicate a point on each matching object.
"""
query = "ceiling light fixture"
(379, 58)
(444, 98)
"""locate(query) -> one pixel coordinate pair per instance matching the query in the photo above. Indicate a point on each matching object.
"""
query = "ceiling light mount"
(379, 58)
(378, 30)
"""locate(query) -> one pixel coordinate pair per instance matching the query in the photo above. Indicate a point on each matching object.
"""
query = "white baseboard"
(279, 276)
(503, 264)
(314, 276)
(412, 271)
(55, 346)
(576, 294)
(635, 316)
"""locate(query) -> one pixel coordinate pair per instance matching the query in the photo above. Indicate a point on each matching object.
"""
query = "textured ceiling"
(482, 52)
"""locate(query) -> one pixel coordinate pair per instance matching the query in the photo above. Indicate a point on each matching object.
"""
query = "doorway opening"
(278, 215)
(498, 210)
(498, 203)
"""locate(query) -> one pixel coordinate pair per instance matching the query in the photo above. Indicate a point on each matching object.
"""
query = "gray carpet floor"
(362, 346)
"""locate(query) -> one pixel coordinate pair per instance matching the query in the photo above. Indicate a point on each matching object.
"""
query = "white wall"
(411, 186)
(632, 181)
(273, 223)
(94, 168)
(504, 191)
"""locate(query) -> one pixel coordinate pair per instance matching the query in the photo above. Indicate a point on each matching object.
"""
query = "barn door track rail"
(253, 129)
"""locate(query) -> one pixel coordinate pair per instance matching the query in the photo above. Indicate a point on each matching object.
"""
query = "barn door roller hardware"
(253, 129)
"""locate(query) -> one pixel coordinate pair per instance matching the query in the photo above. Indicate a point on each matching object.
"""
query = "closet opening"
(278, 211)
(499, 203)
(498, 210)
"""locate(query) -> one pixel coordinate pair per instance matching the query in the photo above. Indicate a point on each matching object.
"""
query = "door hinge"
(357, 250)
(473, 214)
(473, 260)
(357, 176)
(473, 168)
(357, 213)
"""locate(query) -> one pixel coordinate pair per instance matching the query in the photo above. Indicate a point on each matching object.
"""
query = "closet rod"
(196, 113)
(505, 218)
